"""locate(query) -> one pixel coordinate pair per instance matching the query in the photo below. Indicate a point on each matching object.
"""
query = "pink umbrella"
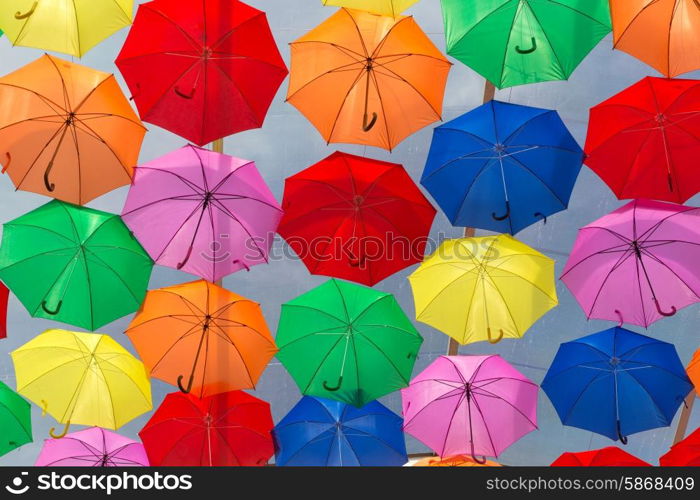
(205, 213)
(476, 405)
(638, 263)
(93, 447)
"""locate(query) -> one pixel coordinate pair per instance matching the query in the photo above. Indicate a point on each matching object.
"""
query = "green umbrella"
(347, 342)
(15, 420)
(74, 264)
(513, 42)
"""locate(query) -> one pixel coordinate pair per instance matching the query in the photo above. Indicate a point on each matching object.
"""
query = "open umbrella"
(4, 295)
(87, 271)
(321, 432)
(355, 218)
(202, 212)
(382, 7)
(347, 342)
(15, 420)
(610, 456)
(685, 453)
(366, 79)
(616, 383)
(637, 264)
(502, 167)
(66, 130)
(455, 461)
(693, 371)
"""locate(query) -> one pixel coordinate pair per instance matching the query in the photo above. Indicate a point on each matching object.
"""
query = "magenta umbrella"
(93, 447)
(637, 264)
(477, 405)
(206, 213)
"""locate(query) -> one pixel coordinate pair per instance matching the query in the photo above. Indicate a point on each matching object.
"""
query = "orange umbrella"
(455, 461)
(366, 79)
(66, 130)
(202, 338)
(694, 371)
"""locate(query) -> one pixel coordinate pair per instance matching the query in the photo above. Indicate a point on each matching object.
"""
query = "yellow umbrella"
(69, 26)
(82, 378)
(383, 7)
(484, 288)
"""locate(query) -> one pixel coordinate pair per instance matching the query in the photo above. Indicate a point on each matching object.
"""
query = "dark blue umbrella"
(616, 383)
(502, 167)
(324, 432)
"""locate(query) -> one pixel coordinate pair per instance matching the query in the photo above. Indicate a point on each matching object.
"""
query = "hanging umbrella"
(366, 79)
(66, 130)
(476, 405)
(93, 447)
(355, 218)
(15, 420)
(202, 70)
(693, 371)
(382, 7)
(202, 212)
(486, 288)
(610, 456)
(637, 264)
(321, 432)
(685, 453)
(4, 295)
(202, 337)
(87, 271)
(347, 342)
(643, 141)
(616, 383)
(455, 461)
(515, 42)
(230, 428)
(502, 167)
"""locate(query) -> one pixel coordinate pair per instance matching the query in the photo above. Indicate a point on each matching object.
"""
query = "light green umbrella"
(15, 420)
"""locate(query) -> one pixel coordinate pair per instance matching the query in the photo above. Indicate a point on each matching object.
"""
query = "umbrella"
(502, 167)
(693, 371)
(355, 218)
(476, 405)
(685, 453)
(486, 288)
(67, 130)
(15, 420)
(662, 33)
(382, 7)
(643, 141)
(230, 428)
(366, 79)
(202, 70)
(205, 213)
(4, 295)
(93, 447)
(87, 271)
(347, 342)
(63, 25)
(637, 264)
(82, 378)
(616, 383)
(202, 337)
(322, 432)
(455, 461)
(610, 456)
(514, 42)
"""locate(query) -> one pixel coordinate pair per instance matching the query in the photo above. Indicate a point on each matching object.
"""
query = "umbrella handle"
(52, 431)
(623, 439)
(238, 261)
(44, 407)
(49, 311)
(502, 217)
(334, 388)
(527, 51)
(496, 340)
(9, 160)
(368, 126)
(19, 16)
(480, 461)
(180, 265)
(665, 313)
(189, 384)
(542, 216)
(183, 95)
(619, 315)
(49, 185)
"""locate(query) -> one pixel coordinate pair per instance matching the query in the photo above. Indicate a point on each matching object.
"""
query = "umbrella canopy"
(502, 167)
(63, 25)
(93, 447)
(347, 342)
(82, 378)
(15, 420)
(686, 453)
(88, 270)
(610, 456)
(67, 130)
(202, 337)
(205, 213)
(455, 461)
(365, 79)
(693, 371)
(382, 7)
(485, 288)
(355, 218)
(321, 432)
(4, 295)
(231, 428)
(648, 247)
(616, 383)
(514, 42)
(202, 70)
(475, 405)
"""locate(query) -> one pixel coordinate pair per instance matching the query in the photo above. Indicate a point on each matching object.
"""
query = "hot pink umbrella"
(476, 405)
(638, 263)
(93, 447)
(205, 213)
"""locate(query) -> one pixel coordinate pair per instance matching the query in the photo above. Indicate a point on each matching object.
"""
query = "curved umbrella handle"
(183, 95)
(623, 439)
(368, 126)
(527, 51)
(542, 216)
(49, 311)
(52, 431)
(180, 265)
(19, 16)
(241, 262)
(665, 313)
(189, 384)
(502, 217)
(333, 388)
(496, 340)
(479, 460)
(9, 160)
(49, 186)
(619, 315)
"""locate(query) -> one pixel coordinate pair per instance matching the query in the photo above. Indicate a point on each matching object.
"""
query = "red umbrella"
(4, 294)
(203, 70)
(612, 456)
(685, 453)
(644, 142)
(355, 218)
(230, 428)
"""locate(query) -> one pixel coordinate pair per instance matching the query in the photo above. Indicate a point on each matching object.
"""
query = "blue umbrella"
(616, 383)
(502, 167)
(324, 432)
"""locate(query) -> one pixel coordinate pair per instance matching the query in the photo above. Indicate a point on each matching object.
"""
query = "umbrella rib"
(595, 254)
(379, 350)
(196, 45)
(486, 426)
(123, 372)
(97, 137)
(44, 99)
(41, 152)
(341, 321)
(578, 398)
(632, 21)
(460, 400)
(516, 275)
(218, 196)
(222, 208)
(121, 279)
(251, 111)
(623, 258)
(341, 68)
(323, 360)
(238, 325)
(647, 234)
(546, 37)
(342, 301)
(228, 339)
(77, 27)
(496, 396)
(371, 75)
(187, 333)
(184, 223)
(319, 332)
(440, 293)
(343, 102)
(527, 169)
(656, 259)
(399, 77)
(196, 189)
(667, 421)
